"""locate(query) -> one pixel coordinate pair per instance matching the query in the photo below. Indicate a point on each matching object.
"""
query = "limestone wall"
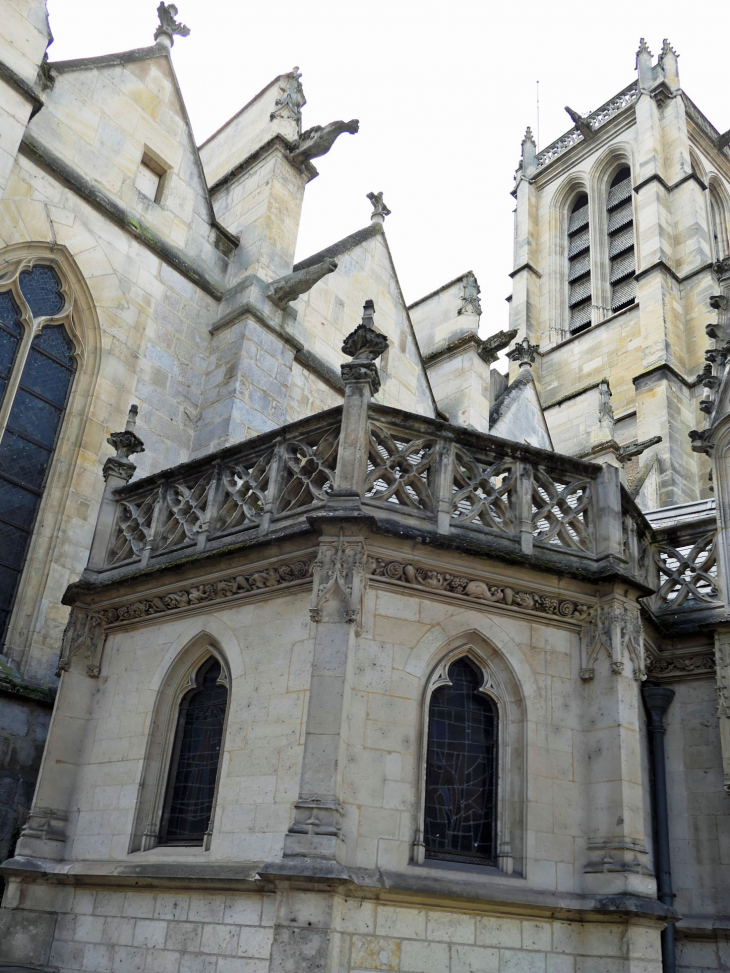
(269, 662)
(179, 931)
(333, 308)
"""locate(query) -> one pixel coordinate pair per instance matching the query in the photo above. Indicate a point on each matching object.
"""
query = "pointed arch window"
(621, 255)
(37, 368)
(579, 266)
(460, 819)
(718, 212)
(196, 755)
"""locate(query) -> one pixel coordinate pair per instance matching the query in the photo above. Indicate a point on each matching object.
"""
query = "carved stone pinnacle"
(126, 444)
(168, 25)
(524, 353)
(364, 345)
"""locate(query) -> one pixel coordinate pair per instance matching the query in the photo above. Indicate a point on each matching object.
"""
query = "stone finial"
(667, 50)
(319, 139)
(470, 298)
(291, 101)
(380, 209)
(168, 25)
(126, 444)
(287, 289)
(364, 345)
(643, 50)
(524, 353)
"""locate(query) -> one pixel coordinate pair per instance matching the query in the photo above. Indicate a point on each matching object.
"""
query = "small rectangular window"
(150, 176)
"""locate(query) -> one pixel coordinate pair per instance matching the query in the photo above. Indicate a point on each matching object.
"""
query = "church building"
(329, 643)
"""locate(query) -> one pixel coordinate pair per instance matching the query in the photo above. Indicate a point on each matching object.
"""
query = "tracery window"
(193, 775)
(622, 259)
(37, 367)
(460, 819)
(718, 212)
(579, 266)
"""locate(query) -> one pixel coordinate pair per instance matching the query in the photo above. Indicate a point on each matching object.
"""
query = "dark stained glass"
(47, 377)
(34, 418)
(42, 290)
(461, 770)
(27, 446)
(22, 461)
(195, 760)
(9, 315)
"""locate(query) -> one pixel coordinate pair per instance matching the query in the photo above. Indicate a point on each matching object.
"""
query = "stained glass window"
(461, 770)
(30, 436)
(195, 759)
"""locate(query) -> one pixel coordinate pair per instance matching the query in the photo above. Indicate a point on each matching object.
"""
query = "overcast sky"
(443, 90)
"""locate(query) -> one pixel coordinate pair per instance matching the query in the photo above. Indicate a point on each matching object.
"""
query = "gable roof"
(144, 54)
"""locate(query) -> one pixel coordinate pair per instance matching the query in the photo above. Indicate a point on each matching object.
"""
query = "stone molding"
(477, 590)
(338, 566)
(86, 628)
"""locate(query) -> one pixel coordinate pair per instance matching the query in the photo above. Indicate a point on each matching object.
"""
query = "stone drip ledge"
(488, 894)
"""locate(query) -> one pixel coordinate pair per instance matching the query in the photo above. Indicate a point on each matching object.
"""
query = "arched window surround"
(559, 312)
(80, 322)
(179, 681)
(500, 685)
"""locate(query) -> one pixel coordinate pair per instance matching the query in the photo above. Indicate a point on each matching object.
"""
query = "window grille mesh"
(30, 437)
(195, 759)
(622, 259)
(461, 771)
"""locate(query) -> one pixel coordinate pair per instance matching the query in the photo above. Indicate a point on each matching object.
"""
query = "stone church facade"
(365, 655)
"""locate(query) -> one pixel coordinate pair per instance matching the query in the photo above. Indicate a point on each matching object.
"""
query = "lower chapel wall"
(102, 931)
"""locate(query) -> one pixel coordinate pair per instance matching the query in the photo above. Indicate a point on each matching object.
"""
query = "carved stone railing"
(684, 565)
(595, 119)
(418, 476)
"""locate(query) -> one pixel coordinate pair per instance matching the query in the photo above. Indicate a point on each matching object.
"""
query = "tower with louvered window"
(618, 223)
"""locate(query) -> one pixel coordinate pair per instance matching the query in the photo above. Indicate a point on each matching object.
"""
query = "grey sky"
(443, 92)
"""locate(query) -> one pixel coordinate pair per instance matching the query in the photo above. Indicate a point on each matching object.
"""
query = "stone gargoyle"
(287, 289)
(319, 140)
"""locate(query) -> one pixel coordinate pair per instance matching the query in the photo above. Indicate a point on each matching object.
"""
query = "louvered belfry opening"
(579, 266)
(719, 225)
(621, 254)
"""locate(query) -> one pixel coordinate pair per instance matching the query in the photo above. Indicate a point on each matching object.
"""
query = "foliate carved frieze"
(613, 630)
(86, 629)
(503, 595)
(658, 666)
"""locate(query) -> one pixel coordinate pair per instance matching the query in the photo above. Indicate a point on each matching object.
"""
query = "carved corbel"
(614, 630)
(338, 575)
(287, 289)
(84, 636)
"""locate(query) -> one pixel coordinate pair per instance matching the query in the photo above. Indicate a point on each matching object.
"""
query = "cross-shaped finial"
(380, 209)
(168, 25)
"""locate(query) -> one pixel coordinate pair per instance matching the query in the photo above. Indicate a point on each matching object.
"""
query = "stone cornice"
(124, 217)
(485, 890)
(22, 87)
(669, 369)
(680, 666)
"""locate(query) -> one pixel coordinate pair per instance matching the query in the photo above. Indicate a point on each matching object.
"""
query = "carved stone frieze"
(502, 595)
(86, 629)
(659, 666)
